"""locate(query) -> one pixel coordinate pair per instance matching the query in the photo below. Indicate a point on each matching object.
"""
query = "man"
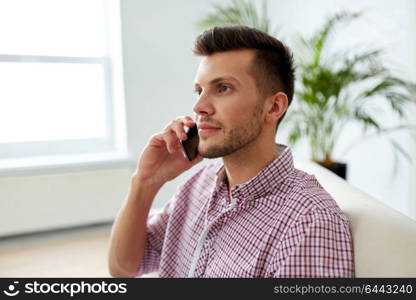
(250, 215)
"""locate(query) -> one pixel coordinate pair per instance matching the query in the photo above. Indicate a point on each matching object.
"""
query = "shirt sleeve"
(318, 245)
(156, 229)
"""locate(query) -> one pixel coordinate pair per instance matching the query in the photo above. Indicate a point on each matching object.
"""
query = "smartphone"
(190, 145)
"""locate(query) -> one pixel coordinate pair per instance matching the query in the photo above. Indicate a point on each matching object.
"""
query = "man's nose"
(203, 106)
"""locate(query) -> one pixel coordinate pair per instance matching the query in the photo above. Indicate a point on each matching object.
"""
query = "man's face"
(227, 98)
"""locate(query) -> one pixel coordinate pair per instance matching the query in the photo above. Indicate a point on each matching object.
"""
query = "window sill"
(63, 163)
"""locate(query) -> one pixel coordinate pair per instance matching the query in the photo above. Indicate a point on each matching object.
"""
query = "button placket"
(204, 242)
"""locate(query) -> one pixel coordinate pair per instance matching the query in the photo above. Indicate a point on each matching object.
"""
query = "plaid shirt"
(281, 223)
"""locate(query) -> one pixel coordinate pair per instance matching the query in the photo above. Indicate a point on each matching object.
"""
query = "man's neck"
(246, 163)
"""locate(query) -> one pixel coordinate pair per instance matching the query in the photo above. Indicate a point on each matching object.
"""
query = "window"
(61, 89)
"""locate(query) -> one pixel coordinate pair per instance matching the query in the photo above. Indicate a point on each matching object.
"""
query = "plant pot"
(337, 167)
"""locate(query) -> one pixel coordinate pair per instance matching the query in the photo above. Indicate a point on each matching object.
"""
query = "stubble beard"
(237, 138)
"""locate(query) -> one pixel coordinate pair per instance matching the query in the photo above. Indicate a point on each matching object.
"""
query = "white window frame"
(26, 156)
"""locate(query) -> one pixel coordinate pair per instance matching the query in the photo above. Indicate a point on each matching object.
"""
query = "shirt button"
(234, 200)
(206, 243)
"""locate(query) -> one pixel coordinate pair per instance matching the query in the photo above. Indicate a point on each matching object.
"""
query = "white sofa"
(384, 239)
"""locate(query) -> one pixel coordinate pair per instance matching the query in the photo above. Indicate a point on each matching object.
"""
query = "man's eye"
(223, 88)
(198, 92)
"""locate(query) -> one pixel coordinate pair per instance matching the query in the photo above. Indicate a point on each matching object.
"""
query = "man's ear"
(277, 105)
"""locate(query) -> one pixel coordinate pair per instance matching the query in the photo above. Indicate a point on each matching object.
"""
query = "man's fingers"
(171, 140)
(179, 126)
(174, 132)
(188, 120)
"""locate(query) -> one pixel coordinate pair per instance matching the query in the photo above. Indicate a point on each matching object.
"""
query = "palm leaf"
(239, 12)
(320, 38)
(403, 152)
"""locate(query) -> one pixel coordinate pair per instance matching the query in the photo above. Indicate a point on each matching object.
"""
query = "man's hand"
(162, 159)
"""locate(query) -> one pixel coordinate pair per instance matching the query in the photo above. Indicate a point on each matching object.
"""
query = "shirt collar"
(266, 180)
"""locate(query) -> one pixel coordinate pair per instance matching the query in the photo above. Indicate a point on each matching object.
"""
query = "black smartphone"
(190, 145)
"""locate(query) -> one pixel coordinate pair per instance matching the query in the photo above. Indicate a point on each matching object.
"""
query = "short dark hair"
(273, 68)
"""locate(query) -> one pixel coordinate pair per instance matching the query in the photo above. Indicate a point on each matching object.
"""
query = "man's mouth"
(206, 129)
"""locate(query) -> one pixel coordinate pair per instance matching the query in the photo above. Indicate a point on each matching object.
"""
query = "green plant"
(238, 12)
(337, 89)
(333, 90)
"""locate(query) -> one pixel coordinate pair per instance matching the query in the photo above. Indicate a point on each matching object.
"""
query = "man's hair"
(272, 69)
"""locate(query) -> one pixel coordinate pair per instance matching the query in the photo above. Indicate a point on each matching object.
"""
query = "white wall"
(53, 200)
